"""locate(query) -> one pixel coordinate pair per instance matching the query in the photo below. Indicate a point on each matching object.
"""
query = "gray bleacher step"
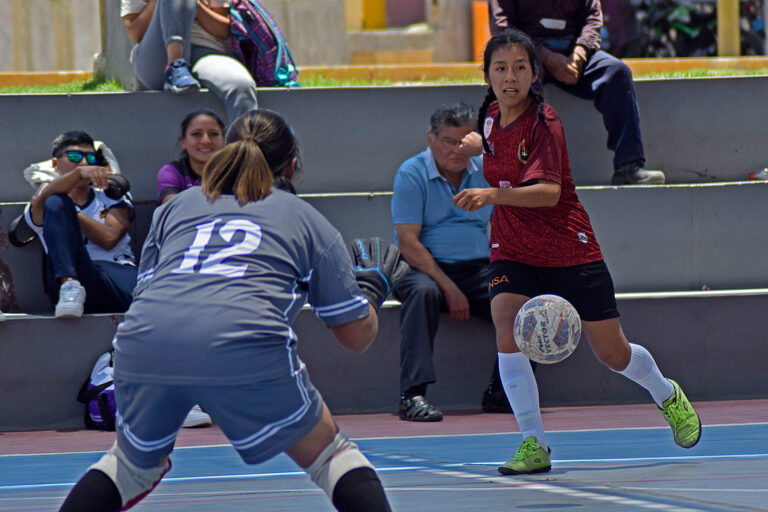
(654, 238)
(697, 338)
(355, 138)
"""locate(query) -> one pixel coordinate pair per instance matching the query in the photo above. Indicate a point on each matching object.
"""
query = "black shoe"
(418, 409)
(495, 401)
(633, 173)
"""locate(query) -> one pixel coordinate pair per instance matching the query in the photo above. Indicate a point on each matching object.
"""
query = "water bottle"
(759, 175)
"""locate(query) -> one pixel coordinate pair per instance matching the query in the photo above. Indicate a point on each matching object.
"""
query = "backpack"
(98, 394)
(257, 42)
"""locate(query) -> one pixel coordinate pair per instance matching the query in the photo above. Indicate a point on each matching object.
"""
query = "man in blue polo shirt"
(447, 249)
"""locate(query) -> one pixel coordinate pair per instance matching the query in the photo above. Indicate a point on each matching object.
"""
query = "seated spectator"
(447, 249)
(567, 38)
(176, 39)
(90, 264)
(202, 134)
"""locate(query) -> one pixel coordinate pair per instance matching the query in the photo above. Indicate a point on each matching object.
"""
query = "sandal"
(418, 409)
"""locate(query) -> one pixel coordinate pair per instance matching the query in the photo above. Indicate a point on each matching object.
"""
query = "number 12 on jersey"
(213, 263)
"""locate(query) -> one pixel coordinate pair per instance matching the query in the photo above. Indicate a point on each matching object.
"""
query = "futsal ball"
(547, 329)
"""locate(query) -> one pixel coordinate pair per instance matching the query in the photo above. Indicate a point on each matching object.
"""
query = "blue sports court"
(449, 466)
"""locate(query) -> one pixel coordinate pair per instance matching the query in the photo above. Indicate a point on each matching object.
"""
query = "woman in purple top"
(202, 134)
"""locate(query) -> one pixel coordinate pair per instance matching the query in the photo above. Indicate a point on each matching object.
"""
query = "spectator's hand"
(96, 174)
(471, 199)
(457, 303)
(577, 60)
(471, 144)
(560, 67)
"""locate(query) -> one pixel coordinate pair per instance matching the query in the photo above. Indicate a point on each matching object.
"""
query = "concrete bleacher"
(663, 244)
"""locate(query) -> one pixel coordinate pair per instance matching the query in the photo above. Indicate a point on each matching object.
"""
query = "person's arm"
(136, 24)
(215, 20)
(590, 25)
(538, 195)
(64, 184)
(106, 235)
(419, 257)
(357, 336)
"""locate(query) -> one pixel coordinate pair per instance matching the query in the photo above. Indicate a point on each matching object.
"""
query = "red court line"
(389, 425)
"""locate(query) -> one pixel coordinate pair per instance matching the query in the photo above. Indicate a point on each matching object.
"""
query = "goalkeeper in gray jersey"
(225, 269)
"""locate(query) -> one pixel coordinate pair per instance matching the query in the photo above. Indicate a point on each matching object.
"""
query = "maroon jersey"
(527, 150)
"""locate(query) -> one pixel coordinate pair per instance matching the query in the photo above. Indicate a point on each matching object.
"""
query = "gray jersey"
(220, 284)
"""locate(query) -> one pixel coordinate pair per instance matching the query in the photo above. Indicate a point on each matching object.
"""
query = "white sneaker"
(71, 300)
(197, 418)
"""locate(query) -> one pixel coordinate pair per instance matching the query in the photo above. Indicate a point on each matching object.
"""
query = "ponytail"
(260, 148)
(239, 169)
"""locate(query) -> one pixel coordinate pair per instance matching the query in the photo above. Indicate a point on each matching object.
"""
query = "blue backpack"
(257, 42)
(98, 394)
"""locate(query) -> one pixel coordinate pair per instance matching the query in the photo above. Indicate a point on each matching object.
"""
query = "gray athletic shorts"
(260, 420)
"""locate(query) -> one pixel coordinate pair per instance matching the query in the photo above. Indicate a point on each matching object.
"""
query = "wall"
(47, 35)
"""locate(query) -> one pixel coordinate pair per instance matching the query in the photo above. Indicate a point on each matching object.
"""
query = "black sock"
(418, 390)
(94, 492)
(360, 490)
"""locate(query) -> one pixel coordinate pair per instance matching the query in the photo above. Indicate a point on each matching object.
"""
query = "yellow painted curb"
(464, 70)
(32, 78)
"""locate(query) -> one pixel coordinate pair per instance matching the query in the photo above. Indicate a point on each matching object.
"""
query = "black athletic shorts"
(588, 287)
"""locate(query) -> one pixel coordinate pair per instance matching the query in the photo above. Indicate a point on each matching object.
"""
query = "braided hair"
(505, 39)
(260, 146)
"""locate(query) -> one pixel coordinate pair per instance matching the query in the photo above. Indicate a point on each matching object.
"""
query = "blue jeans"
(226, 77)
(607, 82)
(108, 285)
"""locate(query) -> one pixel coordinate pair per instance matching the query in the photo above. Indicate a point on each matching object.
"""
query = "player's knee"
(344, 473)
(132, 482)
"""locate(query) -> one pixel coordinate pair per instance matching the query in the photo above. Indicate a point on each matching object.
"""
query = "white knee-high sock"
(523, 394)
(643, 370)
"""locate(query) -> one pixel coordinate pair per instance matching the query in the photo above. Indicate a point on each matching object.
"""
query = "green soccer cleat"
(685, 423)
(530, 458)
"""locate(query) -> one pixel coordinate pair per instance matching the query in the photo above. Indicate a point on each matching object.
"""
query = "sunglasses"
(77, 156)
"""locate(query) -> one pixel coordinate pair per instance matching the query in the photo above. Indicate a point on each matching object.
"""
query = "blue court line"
(439, 453)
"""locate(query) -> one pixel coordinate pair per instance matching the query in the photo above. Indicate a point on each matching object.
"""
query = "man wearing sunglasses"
(91, 267)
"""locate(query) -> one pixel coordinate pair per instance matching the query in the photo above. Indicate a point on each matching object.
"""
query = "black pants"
(422, 302)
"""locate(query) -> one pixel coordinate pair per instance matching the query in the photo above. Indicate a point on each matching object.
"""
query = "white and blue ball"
(547, 329)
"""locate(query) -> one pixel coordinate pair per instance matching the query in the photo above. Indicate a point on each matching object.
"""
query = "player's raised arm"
(376, 268)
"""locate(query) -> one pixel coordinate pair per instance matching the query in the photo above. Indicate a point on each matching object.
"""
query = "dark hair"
(505, 39)
(71, 138)
(453, 114)
(191, 116)
(259, 147)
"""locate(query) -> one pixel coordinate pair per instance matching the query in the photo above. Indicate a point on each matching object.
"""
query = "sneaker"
(685, 423)
(633, 173)
(530, 458)
(197, 418)
(179, 79)
(495, 401)
(71, 300)
(418, 409)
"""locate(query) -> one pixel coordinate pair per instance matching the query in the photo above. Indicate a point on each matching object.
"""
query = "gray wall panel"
(355, 138)
(699, 341)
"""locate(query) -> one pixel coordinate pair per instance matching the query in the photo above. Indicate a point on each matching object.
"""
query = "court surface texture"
(607, 458)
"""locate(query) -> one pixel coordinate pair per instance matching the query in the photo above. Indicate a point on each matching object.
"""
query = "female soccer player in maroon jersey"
(542, 242)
